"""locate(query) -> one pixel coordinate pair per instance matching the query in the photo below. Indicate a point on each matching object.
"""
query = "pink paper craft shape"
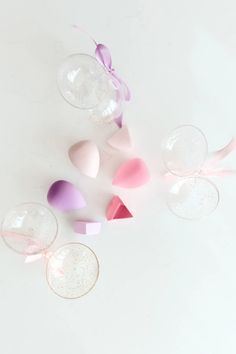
(121, 139)
(87, 227)
(85, 156)
(131, 174)
(65, 196)
(117, 210)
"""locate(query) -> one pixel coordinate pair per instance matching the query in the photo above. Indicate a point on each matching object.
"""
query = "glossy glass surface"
(185, 150)
(29, 228)
(193, 198)
(72, 270)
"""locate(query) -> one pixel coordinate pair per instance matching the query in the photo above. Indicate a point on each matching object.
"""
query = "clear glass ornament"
(72, 270)
(185, 150)
(29, 228)
(85, 84)
(193, 198)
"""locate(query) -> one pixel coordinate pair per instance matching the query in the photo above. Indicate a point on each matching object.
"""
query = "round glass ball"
(85, 84)
(29, 228)
(193, 198)
(72, 270)
(185, 150)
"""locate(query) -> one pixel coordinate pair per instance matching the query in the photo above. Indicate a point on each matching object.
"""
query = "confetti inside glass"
(72, 270)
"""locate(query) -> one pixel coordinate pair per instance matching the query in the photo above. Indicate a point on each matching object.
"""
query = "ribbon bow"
(103, 55)
(34, 248)
(211, 168)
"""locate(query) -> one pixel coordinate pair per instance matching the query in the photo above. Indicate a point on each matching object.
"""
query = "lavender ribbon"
(103, 55)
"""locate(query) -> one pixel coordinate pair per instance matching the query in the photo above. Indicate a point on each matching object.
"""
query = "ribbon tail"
(218, 173)
(226, 172)
(103, 55)
(84, 31)
(222, 153)
(35, 257)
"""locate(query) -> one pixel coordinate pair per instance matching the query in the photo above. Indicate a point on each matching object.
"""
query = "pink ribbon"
(210, 167)
(35, 257)
(31, 246)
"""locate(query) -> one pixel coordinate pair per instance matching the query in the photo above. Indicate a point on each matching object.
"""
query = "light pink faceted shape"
(87, 227)
(117, 210)
(131, 174)
(121, 140)
(85, 156)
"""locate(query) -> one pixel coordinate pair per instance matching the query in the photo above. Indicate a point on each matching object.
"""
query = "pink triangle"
(117, 210)
(121, 139)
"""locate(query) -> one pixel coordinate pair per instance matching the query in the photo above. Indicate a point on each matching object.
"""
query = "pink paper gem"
(117, 210)
(87, 227)
(121, 139)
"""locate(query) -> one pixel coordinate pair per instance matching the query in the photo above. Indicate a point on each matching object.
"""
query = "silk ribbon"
(103, 55)
(211, 168)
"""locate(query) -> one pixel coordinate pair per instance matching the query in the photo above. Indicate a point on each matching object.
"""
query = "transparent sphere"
(29, 228)
(110, 108)
(85, 84)
(193, 198)
(72, 270)
(185, 150)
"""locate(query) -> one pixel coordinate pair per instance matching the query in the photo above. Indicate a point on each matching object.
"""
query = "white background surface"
(166, 286)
